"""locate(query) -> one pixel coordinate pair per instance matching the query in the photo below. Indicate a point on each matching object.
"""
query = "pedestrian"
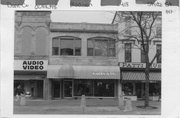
(18, 92)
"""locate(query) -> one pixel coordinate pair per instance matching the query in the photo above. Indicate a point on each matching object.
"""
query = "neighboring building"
(132, 61)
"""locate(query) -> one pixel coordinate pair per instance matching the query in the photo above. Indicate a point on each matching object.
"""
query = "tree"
(142, 26)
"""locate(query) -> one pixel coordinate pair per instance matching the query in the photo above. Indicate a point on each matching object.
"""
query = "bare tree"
(143, 28)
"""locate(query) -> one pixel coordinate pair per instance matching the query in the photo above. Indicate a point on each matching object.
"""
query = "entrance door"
(139, 90)
(56, 89)
(68, 88)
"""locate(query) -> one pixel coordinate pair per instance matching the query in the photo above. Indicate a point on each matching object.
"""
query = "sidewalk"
(94, 106)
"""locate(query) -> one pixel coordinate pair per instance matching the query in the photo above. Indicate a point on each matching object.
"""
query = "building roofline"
(83, 27)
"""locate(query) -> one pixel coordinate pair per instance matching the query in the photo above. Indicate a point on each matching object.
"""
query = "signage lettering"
(132, 65)
(103, 73)
(138, 65)
(33, 65)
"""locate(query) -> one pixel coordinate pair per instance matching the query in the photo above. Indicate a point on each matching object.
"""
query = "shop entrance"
(56, 89)
(68, 88)
(140, 90)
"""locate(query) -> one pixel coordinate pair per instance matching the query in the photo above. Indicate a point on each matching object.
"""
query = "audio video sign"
(31, 65)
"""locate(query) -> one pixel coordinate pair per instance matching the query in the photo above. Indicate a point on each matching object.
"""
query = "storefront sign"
(103, 73)
(138, 65)
(30, 65)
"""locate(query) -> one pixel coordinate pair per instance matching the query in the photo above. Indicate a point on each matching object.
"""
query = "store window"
(158, 51)
(104, 88)
(98, 88)
(127, 52)
(155, 89)
(83, 87)
(66, 46)
(101, 47)
(127, 89)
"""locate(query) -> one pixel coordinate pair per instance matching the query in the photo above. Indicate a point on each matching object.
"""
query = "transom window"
(101, 47)
(66, 46)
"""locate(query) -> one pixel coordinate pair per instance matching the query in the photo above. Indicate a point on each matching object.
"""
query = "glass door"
(68, 88)
(56, 89)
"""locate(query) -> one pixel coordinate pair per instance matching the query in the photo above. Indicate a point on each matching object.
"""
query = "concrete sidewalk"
(94, 106)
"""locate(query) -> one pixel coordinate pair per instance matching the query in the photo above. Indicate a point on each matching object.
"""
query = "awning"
(83, 72)
(153, 76)
(60, 71)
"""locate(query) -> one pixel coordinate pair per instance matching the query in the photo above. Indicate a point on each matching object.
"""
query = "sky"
(104, 17)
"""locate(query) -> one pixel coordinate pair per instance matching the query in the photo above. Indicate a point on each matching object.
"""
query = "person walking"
(18, 92)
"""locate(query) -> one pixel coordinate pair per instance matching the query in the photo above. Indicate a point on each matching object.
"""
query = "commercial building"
(77, 58)
(132, 60)
(31, 52)
(66, 60)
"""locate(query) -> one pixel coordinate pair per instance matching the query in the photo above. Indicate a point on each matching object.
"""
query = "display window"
(98, 88)
(104, 88)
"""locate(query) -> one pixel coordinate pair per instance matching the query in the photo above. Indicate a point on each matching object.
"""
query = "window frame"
(68, 38)
(158, 59)
(158, 32)
(126, 51)
(108, 46)
(142, 54)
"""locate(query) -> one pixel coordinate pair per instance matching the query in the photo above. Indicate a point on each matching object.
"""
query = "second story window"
(101, 47)
(128, 25)
(158, 51)
(143, 56)
(66, 46)
(127, 52)
(158, 32)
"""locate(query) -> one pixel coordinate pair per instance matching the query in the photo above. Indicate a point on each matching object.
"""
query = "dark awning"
(141, 76)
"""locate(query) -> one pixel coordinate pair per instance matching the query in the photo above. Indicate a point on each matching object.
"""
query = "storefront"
(69, 81)
(133, 80)
(30, 76)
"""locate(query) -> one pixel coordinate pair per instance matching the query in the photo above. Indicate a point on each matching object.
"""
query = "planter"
(110, 2)
(133, 98)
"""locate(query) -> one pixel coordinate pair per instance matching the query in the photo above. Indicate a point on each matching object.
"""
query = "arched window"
(101, 46)
(66, 45)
